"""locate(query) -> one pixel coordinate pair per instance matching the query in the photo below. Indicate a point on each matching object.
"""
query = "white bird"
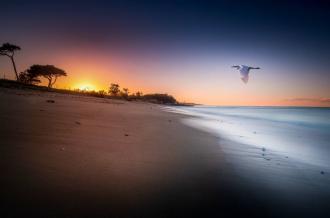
(245, 70)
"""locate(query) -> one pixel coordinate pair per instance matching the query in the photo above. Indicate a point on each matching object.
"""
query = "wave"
(302, 133)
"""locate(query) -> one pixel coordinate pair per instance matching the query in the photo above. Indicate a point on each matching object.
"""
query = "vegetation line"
(30, 78)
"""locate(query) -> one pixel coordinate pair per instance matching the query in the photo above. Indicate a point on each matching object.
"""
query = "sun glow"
(86, 87)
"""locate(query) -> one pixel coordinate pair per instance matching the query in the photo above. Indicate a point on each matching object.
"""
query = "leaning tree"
(50, 72)
(8, 50)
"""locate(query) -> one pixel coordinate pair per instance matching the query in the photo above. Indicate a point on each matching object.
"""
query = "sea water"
(299, 133)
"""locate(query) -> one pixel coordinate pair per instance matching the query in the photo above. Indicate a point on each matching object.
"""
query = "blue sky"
(192, 43)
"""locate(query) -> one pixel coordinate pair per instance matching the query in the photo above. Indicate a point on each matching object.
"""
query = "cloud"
(316, 100)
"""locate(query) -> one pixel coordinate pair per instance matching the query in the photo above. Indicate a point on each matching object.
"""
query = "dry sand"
(93, 157)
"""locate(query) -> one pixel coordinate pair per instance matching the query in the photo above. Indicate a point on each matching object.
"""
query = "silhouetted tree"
(8, 50)
(138, 94)
(125, 90)
(125, 93)
(114, 89)
(50, 72)
(160, 98)
(28, 77)
(102, 93)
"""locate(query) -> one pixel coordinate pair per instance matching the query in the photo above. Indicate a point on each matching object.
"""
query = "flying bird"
(244, 71)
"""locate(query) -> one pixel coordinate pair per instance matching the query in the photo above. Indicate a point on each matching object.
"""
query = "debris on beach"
(126, 135)
(50, 101)
(78, 123)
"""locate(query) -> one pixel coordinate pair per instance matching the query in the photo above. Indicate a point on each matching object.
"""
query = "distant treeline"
(114, 92)
(29, 78)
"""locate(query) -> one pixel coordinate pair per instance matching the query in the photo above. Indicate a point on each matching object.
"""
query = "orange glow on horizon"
(184, 81)
(85, 87)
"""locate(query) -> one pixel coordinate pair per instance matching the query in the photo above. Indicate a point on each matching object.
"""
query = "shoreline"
(286, 184)
(83, 156)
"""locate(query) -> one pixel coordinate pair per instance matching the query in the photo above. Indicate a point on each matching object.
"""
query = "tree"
(8, 50)
(114, 89)
(28, 78)
(102, 93)
(50, 72)
(138, 94)
(125, 93)
(160, 98)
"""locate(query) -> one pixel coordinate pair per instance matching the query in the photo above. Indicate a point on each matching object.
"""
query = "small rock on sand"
(263, 149)
(50, 101)
(78, 123)
(126, 135)
(322, 172)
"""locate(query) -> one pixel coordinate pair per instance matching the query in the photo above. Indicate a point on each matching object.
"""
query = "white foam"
(280, 149)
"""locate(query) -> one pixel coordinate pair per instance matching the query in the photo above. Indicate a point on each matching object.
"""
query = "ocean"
(299, 133)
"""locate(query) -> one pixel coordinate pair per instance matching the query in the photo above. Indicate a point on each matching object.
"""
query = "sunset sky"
(183, 48)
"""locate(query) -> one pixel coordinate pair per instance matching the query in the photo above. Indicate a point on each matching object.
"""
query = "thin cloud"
(318, 100)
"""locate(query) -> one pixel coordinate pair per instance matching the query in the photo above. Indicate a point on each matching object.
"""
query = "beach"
(71, 156)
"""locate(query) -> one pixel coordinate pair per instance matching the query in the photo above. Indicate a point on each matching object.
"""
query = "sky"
(183, 48)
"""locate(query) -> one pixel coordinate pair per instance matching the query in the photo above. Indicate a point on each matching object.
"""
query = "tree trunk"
(49, 82)
(54, 81)
(14, 65)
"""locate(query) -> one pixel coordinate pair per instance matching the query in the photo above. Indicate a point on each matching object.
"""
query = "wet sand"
(83, 156)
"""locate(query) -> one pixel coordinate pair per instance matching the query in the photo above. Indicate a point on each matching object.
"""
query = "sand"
(72, 156)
